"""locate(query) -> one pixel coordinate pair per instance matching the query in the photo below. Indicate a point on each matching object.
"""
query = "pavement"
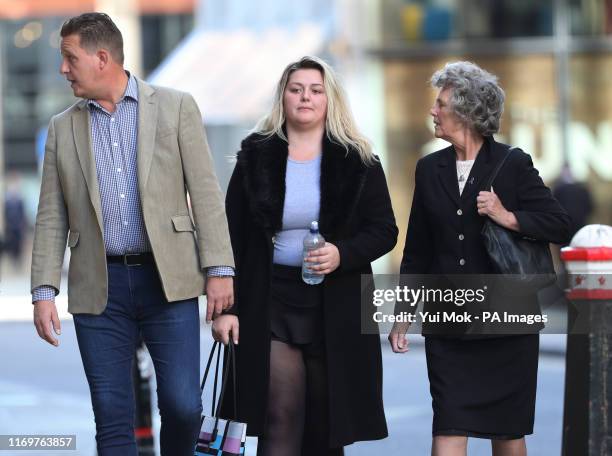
(43, 388)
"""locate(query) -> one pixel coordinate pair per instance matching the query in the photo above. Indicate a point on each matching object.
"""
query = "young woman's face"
(305, 100)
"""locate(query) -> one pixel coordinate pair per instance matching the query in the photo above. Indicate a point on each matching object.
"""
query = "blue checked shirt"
(114, 141)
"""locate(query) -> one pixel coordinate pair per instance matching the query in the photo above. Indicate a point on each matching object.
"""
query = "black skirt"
(483, 387)
(296, 310)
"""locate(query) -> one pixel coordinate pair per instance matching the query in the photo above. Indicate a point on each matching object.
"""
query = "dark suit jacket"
(444, 229)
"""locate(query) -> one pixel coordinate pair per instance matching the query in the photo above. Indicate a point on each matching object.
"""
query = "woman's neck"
(304, 144)
(468, 147)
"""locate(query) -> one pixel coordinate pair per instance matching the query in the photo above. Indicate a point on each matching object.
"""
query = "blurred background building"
(553, 58)
(32, 90)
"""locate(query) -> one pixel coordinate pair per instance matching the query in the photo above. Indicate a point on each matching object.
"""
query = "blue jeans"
(137, 308)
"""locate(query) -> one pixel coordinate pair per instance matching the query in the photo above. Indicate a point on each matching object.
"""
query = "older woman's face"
(447, 125)
(305, 100)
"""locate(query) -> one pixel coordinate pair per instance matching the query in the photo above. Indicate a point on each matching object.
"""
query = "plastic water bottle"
(312, 241)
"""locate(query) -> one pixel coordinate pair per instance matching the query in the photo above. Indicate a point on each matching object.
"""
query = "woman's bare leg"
(449, 445)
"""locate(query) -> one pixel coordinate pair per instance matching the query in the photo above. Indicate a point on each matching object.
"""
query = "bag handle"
(498, 168)
(230, 358)
(216, 346)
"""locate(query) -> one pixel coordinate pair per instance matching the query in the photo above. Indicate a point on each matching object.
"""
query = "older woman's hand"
(397, 337)
(489, 204)
(327, 257)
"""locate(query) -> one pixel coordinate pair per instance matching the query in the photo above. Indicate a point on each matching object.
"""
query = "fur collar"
(263, 162)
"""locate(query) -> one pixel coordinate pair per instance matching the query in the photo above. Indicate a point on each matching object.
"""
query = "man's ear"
(103, 57)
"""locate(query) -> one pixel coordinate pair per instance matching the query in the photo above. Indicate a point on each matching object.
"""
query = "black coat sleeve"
(418, 247)
(236, 208)
(377, 232)
(540, 216)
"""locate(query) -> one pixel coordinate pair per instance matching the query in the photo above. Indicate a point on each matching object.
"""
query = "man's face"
(80, 67)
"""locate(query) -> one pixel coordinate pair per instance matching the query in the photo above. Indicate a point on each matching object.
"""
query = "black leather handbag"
(526, 263)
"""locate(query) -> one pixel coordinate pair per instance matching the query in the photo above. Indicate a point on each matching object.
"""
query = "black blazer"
(444, 229)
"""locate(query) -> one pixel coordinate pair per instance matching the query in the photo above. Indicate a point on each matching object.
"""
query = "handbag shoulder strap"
(498, 168)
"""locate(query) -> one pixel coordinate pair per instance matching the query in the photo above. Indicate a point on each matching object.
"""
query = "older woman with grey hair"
(481, 386)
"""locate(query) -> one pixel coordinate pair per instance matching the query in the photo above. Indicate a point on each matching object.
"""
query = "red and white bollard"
(587, 423)
(588, 262)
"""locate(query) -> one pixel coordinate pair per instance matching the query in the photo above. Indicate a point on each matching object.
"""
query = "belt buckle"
(125, 259)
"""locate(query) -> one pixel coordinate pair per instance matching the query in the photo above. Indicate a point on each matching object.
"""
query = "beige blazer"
(173, 160)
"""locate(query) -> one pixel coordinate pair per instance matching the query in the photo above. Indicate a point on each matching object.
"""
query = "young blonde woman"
(309, 382)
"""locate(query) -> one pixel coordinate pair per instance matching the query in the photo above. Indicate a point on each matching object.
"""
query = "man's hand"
(326, 259)
(219, 296)
(45, 317)
(398, 339)
(223, 326)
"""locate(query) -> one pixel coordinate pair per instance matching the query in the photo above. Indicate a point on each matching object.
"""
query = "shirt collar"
(131, 91)
(132, 87)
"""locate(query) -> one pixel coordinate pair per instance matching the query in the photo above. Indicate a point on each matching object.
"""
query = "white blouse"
(463, 171)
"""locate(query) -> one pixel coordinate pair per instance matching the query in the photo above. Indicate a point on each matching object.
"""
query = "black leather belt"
(131, 259)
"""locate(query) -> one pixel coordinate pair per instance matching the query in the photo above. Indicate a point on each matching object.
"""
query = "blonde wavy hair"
(339, 123)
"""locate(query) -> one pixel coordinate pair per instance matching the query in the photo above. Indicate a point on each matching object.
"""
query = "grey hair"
(476, 98)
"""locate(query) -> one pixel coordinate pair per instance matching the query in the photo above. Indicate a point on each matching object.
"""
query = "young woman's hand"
(223, 326)
(327, 257)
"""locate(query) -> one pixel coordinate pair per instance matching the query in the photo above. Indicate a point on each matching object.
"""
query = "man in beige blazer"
(118, 167)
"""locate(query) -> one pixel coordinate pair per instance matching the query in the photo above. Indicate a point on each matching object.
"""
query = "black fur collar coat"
(263, 162)
(355, 215)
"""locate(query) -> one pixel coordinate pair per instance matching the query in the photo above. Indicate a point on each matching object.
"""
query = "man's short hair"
(96, 31)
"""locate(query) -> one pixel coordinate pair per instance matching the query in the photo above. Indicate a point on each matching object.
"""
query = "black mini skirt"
(296, 311)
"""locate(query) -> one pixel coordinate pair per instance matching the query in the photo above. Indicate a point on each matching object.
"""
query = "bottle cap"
(314, 227)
